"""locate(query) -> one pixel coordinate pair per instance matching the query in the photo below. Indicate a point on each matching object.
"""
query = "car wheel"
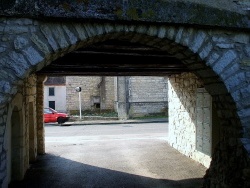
(60, 120)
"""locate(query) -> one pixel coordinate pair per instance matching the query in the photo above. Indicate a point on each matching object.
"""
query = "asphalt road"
(111, 156)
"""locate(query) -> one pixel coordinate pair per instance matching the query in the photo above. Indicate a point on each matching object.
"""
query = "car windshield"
(49, 111)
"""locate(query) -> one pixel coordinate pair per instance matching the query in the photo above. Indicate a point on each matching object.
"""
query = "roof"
(61, 80)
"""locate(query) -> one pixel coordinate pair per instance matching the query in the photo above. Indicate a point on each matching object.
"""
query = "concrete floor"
(111, 156)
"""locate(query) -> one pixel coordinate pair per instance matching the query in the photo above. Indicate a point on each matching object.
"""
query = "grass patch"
(103, 113)
(150, 116)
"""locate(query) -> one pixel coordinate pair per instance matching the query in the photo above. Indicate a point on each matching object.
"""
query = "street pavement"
(125, 154)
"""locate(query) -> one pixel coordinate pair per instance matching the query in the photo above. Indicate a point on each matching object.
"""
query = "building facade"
(210, 38)
(218, 56)
(97, 93)
(148, 95)
(55, 93)
(145, 95)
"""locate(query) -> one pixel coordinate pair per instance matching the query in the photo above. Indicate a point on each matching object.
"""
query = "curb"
(94, 122)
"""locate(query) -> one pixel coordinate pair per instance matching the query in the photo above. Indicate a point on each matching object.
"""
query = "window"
(51, 91)
(97, 105)
(52, 104)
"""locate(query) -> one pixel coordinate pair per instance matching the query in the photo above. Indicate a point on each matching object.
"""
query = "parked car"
(50, 116)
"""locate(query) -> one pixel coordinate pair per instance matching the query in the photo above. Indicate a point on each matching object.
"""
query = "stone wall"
(182, 116)
(139, 109)
(20, 139)
(220, 56)
(89, 86)
(95, 89)
(39, 113)
(147, 95)
(30, 106)
(107, 93)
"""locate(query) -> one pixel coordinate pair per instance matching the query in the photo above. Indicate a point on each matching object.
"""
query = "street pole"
(79, 89)
(80, 105)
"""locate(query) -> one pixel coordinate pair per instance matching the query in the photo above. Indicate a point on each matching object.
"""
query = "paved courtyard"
(111, 156)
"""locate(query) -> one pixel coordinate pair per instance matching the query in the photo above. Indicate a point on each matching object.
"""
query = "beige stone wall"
(16, 137)
(21, 130)
(182, 116)
(39, 113)
(148, 95)
(30, 117)
(148, 89)
(89, 85)
(108, 93)
(92, 86)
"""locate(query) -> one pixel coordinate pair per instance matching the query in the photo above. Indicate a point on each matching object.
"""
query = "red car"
(50, 116)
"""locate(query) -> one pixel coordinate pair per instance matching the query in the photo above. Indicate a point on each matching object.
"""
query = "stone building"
(97, 93)
(204, 50)
(146, 95)
(190, 99)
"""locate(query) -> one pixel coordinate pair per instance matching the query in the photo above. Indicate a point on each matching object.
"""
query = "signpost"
(79, 89)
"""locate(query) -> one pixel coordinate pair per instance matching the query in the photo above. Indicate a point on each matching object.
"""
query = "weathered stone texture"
(72, 96)
(107, 93)
(17, 114)
(147, 89)
(28, 45)
(3, 146)
(40, 105)
(182, 117)
(147, 95)
(92, 86)
(122, 97)
(138, 109)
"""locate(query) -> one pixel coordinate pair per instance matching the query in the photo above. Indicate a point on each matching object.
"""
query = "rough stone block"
(32, 55)
(226, 59)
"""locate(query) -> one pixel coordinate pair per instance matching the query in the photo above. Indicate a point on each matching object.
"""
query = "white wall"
(59, 98)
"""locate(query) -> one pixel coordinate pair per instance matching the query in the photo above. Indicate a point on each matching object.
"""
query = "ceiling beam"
(115, 58)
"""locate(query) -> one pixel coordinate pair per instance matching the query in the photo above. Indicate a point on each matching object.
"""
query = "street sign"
(78, 89)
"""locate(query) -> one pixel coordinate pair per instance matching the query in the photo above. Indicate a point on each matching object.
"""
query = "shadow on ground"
(50, 171)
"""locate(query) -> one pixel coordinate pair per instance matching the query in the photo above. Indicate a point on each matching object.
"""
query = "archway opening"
(160, 64)
(190, 63)
(32, 133)
(16, 146)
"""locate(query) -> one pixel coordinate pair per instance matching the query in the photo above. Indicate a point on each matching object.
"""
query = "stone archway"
(218, 57)
(16, 139)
